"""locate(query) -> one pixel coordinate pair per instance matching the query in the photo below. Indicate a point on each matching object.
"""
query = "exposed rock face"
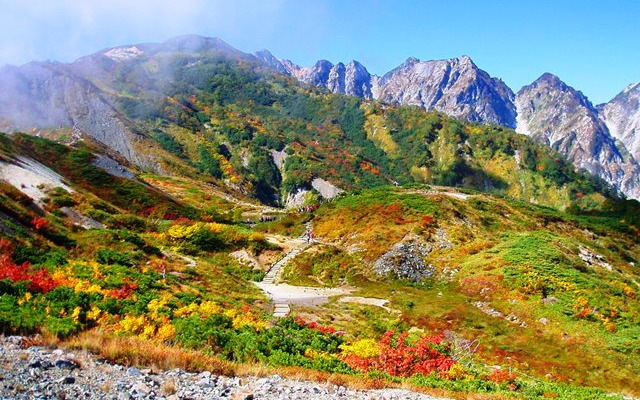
(456, 87)
(622, 116)
(326, 189)
(352, 79)
(296, 198)
(562, 117)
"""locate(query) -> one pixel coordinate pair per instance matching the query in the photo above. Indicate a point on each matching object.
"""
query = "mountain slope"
(459, 88)
(48, 95)
(563, 118)
(622, 116)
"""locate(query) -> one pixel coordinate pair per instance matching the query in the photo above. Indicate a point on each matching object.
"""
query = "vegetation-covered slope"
(554, 294)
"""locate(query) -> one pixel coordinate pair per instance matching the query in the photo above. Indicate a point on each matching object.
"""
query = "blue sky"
(591, 45)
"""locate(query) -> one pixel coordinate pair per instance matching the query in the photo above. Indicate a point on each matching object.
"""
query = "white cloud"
(67, 29)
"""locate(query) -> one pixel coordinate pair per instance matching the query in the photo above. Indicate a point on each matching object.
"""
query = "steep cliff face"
(352, 79)
(456, 87)
(622, 117)
(554, 113)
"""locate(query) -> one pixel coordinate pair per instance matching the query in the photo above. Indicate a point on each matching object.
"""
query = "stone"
(64, 363)
(133, 371)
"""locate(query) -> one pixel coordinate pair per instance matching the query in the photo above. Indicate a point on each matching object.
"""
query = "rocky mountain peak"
(454, 86)
(409, 62)
(556, 114)
(272, 62)
(465, 59)
(195, 44)
(549, 79)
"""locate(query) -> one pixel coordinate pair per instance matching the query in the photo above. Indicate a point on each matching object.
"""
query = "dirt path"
(370, 301)
(284, 295)
(443, 190)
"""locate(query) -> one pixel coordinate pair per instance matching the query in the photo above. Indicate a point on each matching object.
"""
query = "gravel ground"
(41, 373)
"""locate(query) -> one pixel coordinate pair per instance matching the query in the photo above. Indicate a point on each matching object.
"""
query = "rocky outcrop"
(352, 79)
(563, 118)
(326, 189)
(405, 260)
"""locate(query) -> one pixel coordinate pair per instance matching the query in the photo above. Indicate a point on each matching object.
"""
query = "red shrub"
(426, 221)
(40, 281)
(500, 376)
(39, 223)
(125, 291)
(315, 325)
(398, 357)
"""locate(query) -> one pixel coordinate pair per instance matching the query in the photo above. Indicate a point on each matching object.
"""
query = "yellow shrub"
(208, 308)
(364, 348)
(25, 299)
(628, 291)
(186, 311)
(156, 305)
(75, 315)
(216, 227)
(131, 324)
(457, 372)
(94, 313)
(248, 319)
(166, 332)
(256, 237)
(178, 232)
(148, 332)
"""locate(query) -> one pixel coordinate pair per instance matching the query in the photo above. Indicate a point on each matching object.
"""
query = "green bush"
(110, 257)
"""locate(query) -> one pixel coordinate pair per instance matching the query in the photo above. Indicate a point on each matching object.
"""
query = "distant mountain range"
(603, 139)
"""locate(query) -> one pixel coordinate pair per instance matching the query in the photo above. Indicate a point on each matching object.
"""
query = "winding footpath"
(284, 295)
